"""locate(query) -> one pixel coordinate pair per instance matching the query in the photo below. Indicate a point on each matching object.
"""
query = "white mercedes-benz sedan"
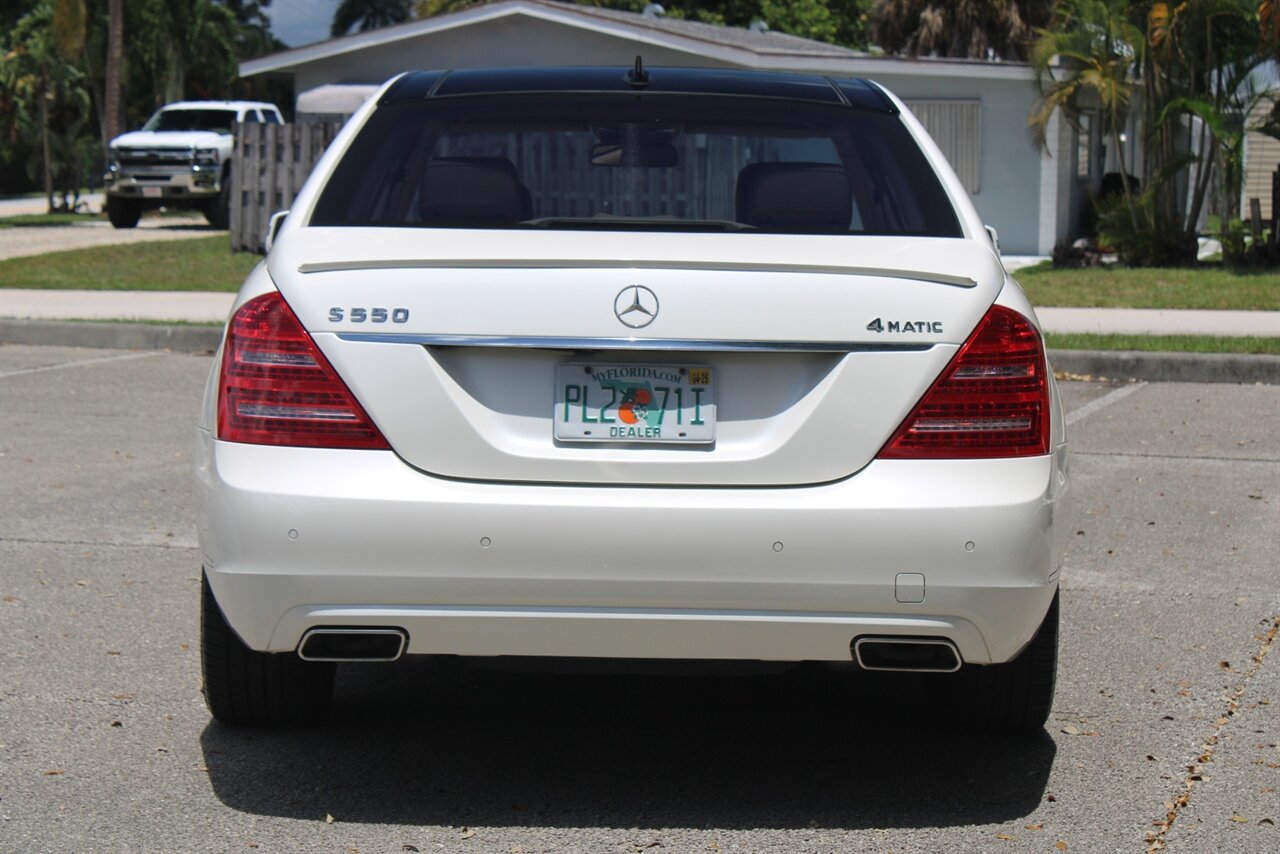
(628, 363)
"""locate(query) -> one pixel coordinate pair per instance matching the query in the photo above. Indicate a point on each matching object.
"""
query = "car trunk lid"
(459, 344)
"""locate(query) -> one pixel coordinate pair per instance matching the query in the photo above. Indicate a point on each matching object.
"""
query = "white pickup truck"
(180, 159)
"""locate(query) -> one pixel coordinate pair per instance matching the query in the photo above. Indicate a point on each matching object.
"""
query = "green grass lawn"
(30, 220)
(1206, 286)
(1163, 343)
(198, 264)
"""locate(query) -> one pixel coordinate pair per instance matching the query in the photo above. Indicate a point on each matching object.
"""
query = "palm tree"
(1092, 47)
(973, 29)
(112, 111)
(370, 14)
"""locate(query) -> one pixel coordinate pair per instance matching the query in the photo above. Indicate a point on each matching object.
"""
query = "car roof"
(224, 105)
(416, 86)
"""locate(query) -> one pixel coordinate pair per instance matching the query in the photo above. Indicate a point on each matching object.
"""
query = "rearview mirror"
(644, 155)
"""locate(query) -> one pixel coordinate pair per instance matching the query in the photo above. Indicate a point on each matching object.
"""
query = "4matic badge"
(878, 325)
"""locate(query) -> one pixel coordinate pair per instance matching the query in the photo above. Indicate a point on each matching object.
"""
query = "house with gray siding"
(976, 111)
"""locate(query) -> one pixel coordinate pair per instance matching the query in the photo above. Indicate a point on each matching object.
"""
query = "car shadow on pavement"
(433, 742)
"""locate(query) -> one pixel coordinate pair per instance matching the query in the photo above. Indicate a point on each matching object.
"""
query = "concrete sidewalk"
(1161, 321)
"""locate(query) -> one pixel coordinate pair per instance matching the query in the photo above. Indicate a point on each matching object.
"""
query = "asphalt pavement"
(1165, 728)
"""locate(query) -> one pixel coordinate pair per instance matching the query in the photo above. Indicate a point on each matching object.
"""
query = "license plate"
(634, 403)
(152, 192)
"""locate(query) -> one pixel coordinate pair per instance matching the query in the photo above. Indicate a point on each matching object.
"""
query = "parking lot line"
(1103, 402)
(78, 362)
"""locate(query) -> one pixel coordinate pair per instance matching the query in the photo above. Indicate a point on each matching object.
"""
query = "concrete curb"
(111, 336)
(1168, 367)
(1111, 364)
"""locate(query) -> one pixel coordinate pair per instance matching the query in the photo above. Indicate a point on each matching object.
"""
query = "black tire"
(123, 213)
(1011, 697)
(243, 687)
(218, 209)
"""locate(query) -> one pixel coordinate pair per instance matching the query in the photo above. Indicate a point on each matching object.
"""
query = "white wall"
(1009, 198)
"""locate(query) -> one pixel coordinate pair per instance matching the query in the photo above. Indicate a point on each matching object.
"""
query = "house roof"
(733, 46)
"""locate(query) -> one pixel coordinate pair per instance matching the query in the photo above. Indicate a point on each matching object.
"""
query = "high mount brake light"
(277, 388)
(991, 401)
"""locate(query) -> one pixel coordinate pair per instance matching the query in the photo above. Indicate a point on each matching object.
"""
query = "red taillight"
(991, 401)
(279, 389)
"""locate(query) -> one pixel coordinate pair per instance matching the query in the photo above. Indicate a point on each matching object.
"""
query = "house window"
(956, 126)
(1084, 146)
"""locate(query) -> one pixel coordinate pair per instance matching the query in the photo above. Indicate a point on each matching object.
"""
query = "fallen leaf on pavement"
(1004, 836)
(467, 833)
(1061, 845)
(1071, 730)
(328, 819)
(54, 773)
(1035, 827)
(1239, 819)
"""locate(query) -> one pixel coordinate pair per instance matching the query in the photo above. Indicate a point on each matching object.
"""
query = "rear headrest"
(472, 191)
(795, 197)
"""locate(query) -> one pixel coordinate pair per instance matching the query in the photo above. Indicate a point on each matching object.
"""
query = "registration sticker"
(634, 404)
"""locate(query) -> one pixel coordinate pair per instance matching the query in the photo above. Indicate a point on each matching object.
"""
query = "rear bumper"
(298, 538)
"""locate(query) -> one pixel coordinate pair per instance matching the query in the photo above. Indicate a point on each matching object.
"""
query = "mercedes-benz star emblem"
(636, 306)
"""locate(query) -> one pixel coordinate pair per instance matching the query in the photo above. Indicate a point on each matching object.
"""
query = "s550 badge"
(878, 325)
(370, 315)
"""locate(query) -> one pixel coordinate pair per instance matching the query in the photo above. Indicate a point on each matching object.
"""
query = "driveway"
(37, 240)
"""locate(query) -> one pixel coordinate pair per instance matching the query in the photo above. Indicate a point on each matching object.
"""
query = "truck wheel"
(218, 209)
(123, 213)
(243, 687)
(1012, 697)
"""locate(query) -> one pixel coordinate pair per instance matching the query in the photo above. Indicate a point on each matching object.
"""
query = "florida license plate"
(597, 402)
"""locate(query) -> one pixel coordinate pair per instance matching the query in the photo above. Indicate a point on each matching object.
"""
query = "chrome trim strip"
(662, 344)
(554, 264)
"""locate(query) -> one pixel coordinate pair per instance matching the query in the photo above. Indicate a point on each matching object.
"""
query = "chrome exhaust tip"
(918, 655)
(346, 644)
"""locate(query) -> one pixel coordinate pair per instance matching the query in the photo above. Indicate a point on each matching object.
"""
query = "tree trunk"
(112, 123)
(1201, 186)
(1124, 170)
(176, 74)
(44, 140)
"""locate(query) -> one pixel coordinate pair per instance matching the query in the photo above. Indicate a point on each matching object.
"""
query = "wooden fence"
(270, 165)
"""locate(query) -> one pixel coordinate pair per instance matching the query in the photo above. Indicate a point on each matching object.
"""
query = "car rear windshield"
(619, 163)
